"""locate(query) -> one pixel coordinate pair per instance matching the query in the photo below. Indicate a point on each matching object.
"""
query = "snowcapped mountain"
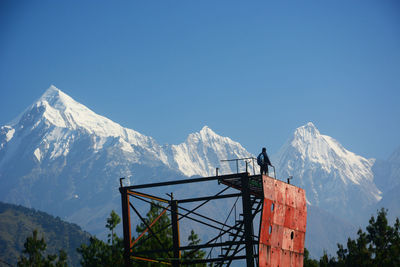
(59, 156)
(201, 153)
(334, 178)
(60, 118)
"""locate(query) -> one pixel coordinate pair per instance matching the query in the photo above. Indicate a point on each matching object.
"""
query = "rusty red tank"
(283, 224)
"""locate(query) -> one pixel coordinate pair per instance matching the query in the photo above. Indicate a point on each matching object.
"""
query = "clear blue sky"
(251, 70)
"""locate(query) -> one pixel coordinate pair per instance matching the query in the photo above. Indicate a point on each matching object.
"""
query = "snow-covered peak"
(307, 132)
(60, 101)
(57, 108)
(52, 93)
(63, 111)
(208, 138)
(206, 135)
(332, 176)
(329, 154)
(59, 120)
(207, 131)
(202, 151)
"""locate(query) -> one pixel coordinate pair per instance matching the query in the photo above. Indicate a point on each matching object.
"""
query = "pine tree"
(194, 254)
(99, 253)
(383, 240)
(112, 222)
(378, 246)
(308, 262)
(35, 249)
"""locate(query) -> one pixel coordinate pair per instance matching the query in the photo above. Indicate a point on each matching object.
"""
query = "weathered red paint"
(283, 224)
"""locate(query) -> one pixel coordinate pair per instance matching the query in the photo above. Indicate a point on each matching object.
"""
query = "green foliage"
(99, 253)
(35, 249)
(307, 261)
(17, 223)
(379, 246)
(162, 230)
(194, 254)
(326, 261)
(384, 240)
(112, 222)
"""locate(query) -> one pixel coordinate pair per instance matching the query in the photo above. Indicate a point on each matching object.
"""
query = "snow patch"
(125, 146)
(52, 115)
(10, 134)
(38, 154)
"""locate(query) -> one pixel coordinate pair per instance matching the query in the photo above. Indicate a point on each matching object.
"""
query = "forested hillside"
(17, 223)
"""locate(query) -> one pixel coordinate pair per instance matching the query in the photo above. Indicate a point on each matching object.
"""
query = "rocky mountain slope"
(17, 223)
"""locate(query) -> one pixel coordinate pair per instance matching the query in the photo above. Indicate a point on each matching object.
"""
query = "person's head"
(264, 149)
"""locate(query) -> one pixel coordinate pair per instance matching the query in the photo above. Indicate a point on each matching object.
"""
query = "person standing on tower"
(263, 161)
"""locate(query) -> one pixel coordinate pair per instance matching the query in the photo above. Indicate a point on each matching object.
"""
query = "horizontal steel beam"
(185, 181)
(184, 262)
(222, 160)
(227, 243)
(208, 198)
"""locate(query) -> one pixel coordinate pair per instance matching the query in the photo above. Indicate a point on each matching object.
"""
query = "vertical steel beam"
(175, 233)
(247, 220)
(126, 224)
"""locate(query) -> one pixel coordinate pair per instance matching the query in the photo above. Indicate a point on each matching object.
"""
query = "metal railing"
(241, 159)
(247, 161)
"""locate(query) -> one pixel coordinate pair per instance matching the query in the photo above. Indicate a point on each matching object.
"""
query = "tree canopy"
(158, 237)
(35, 249)
(379, 246)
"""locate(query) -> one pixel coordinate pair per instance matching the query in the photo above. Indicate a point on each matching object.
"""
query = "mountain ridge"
(17, 223)
(60, 114)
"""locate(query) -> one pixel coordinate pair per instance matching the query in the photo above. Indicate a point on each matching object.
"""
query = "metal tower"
(277, 209)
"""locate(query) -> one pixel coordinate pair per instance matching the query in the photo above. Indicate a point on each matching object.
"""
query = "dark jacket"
(263, 161)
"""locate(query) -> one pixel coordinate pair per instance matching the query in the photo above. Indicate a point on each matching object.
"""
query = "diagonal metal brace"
(147, 225)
